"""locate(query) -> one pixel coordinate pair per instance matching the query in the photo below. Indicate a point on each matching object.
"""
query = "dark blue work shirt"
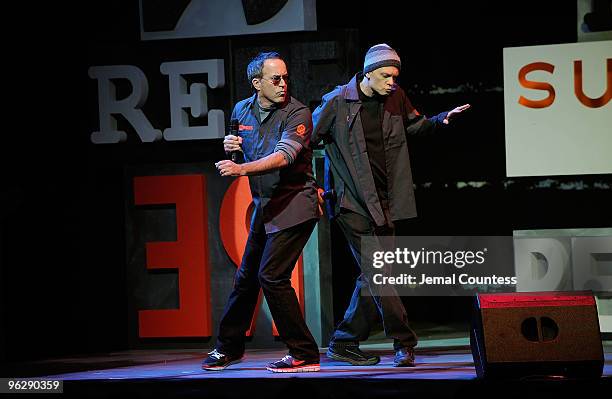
(288, 196)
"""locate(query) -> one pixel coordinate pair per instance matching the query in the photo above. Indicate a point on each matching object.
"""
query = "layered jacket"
(337, 123)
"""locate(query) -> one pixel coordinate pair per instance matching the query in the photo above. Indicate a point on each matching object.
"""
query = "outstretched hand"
(454, 112)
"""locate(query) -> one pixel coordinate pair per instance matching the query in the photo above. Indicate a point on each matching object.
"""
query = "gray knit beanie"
(380, 55)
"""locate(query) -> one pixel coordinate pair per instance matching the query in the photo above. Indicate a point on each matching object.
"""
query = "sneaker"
(404, 357)
(351, 354)
(289, 364)
(217, 361)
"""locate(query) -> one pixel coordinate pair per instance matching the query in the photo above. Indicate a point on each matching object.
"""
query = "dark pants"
(267, 263)
(370, 303)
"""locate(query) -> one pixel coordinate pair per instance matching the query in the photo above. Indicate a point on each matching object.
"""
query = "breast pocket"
(397, 137)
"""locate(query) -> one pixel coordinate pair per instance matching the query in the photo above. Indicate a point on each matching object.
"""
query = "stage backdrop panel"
(558, 114)
(186, 228)
(567, 260)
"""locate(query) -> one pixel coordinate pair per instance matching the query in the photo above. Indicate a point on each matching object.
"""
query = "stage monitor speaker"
(536, 334)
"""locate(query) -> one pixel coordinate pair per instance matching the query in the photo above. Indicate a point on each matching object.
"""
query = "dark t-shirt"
(371, 120)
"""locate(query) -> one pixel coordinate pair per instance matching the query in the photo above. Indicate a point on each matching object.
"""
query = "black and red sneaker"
(289, 364)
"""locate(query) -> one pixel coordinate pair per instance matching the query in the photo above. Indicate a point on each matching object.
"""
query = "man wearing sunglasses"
(364, 125)
(274, 138)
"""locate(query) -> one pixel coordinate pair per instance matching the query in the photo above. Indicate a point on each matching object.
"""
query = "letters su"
(578, 89)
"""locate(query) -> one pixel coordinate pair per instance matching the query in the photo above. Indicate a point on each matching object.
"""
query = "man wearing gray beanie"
(364, 125)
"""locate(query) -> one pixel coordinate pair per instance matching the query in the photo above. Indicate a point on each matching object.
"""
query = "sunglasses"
(276, 79)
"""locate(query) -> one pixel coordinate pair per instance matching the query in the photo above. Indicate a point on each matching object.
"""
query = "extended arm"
(418, 124)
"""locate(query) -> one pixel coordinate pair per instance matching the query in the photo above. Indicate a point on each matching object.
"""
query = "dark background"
(62, 240)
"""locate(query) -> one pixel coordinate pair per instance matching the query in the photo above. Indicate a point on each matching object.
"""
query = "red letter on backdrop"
(235, 221)
(528, 84)
(188, 254)
(587, 101)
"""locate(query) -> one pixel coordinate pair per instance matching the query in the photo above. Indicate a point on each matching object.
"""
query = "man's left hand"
(454, 112)
(229, 168)
(320, 200)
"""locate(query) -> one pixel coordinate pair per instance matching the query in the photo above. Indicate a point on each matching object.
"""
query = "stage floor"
(442, 371)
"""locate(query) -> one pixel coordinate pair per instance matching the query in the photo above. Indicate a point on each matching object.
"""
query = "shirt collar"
(283, 107)
(351, 92)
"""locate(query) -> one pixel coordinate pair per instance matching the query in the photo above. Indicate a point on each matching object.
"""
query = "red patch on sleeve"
(301, 129)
